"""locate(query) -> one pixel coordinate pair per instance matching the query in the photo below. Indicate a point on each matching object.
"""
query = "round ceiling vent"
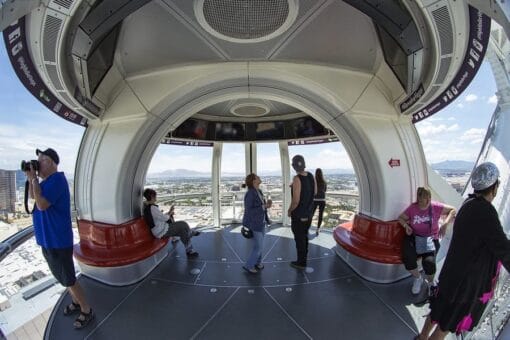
(246, 21)
(249, 110)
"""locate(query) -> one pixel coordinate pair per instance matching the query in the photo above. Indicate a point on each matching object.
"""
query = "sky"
(455, 133)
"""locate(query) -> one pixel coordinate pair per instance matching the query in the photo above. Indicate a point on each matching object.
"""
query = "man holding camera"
(53, 229)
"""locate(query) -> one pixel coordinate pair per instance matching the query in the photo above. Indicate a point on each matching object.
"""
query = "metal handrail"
(14, 241)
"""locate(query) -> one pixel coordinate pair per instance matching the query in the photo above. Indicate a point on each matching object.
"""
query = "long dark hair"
(319, 178)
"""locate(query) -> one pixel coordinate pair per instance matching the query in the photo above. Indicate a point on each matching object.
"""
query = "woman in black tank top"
(320, 197)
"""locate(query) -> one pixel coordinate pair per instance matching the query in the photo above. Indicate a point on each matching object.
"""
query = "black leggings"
(409, 256)
(321, 205)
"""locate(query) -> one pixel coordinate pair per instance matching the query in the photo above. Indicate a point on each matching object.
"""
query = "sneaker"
(417, 285)
(297, 265)
(250, 270)
(195, 233)
(259, 266)
(192, 254)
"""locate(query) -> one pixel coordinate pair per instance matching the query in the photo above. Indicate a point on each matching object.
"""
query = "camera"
(25, 165)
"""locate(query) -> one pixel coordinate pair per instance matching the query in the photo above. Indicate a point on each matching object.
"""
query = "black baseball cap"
(50, 153)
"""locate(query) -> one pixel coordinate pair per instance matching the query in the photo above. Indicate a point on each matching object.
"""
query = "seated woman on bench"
(162, 225)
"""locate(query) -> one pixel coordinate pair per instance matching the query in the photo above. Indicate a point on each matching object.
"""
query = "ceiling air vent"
(64, 3)
(246, 21)
(62, 6)
(443, 70)
(53, 75)
(249, 110)
(50, 35)
(444, 27)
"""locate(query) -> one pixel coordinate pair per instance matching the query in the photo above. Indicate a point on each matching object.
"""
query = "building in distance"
(7, 191)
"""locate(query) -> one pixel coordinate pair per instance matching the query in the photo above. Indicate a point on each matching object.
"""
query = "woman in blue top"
(255, 207)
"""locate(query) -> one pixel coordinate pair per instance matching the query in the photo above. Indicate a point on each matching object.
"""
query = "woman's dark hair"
(487, 190)
(249, 180)
(319, 178)
(148, 194)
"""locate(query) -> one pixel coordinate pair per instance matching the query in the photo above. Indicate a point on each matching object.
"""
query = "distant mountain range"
(179, 173)
(186, 173)
(454, 165)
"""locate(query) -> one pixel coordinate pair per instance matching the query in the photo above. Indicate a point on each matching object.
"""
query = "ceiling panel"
(327, 38)
(156, 30)
(320, 34)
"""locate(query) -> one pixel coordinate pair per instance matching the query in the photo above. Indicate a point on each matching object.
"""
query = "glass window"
(453, 137)
(231, 181)
(181, 175)
(342, 198)
(270, 172)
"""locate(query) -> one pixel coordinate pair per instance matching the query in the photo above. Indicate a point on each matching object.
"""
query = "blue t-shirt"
(52, 226)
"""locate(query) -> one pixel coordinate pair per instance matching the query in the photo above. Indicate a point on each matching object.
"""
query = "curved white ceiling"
(167, 33)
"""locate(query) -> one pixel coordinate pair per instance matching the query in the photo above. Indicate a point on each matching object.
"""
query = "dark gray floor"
(212, 297)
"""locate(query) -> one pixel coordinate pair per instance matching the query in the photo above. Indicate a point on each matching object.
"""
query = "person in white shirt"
(163, 225)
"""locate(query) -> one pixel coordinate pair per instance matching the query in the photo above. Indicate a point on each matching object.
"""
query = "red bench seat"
(371, 239)
(111, 245)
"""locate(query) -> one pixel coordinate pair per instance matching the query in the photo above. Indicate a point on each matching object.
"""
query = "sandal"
(83, 319)
(72, 308)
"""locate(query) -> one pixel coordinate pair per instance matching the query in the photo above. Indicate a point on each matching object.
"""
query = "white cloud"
(268, 162)
(173, 157)
(427, 142)
(471, 97)
(460, 105)
(464, 147)
(493, 99)
(473, 136)
(325, 156)
(428, 129)
(451, 150)
(18, 142)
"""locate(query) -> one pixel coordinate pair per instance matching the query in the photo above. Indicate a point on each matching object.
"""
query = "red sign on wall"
(394, 162)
